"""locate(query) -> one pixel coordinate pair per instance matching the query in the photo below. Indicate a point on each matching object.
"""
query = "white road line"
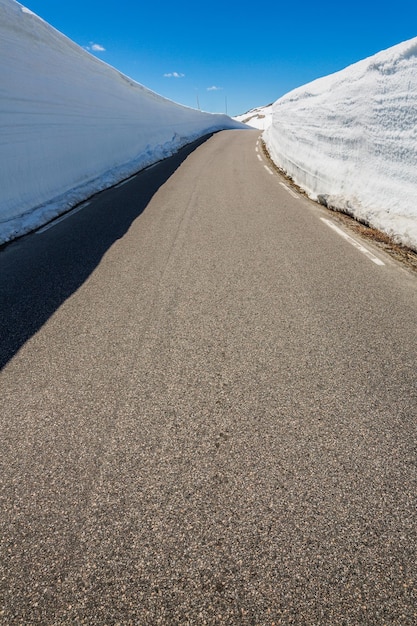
(147, 168)
(268, 169)
(257, 149)
(259, 157)
(61, 219)
(124, 182)
(353, 242)
(290, 191)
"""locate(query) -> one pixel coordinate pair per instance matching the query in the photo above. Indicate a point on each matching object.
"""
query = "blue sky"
(234, 54)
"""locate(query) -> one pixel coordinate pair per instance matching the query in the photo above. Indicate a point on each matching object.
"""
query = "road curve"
(208, 411)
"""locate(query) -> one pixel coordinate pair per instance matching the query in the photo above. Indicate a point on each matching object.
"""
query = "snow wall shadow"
(39, 272)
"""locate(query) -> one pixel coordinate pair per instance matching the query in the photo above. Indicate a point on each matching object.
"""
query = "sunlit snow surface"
(70, 125)
(260, 117)
(350, 139)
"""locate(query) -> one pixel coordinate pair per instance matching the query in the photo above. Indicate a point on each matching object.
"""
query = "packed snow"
(350, 140)
(71, 125)
(260, 117)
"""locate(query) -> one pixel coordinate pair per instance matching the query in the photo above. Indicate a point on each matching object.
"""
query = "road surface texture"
(208, 409)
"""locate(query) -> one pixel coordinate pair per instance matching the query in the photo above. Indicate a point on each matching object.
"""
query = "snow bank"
(71, 125)
(350, 140)
(260, 117)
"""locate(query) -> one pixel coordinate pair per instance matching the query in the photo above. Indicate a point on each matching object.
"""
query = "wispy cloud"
(214, 88)
(174, 75)
(95, 47)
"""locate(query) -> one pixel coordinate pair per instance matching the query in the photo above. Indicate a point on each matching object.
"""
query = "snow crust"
(260, 117)
(350, 140)
(71, 125)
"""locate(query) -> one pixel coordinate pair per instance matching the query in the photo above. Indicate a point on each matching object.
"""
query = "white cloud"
(95, 47)
(174, 75)
(214, 88)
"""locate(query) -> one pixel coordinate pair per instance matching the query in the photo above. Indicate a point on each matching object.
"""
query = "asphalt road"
(208, 409)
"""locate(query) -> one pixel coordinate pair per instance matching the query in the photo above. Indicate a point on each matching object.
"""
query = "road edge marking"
(290, 191)
(353, 242)
(61, 218)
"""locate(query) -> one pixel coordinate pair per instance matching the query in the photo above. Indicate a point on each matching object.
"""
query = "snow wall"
(71, 125)
(350, 140)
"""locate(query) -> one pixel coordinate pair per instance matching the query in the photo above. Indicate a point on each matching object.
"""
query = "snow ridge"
(260, 117)
(71, 125)
(350, 140)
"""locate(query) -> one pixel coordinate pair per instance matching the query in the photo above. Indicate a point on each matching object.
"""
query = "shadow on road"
(40, 271)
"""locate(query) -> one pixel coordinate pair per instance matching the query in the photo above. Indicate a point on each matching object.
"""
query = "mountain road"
(209, 408)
